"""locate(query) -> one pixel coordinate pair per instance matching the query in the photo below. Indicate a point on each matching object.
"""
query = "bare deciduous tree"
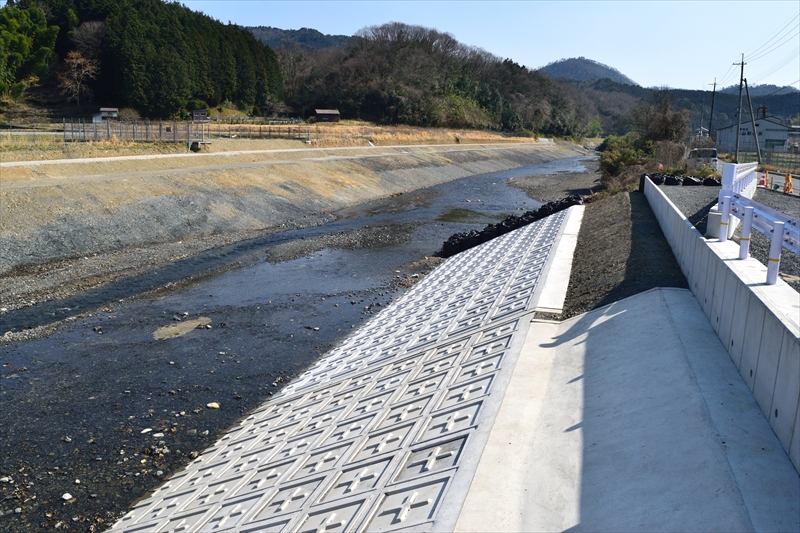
(88, 38)
(75, 79)
(296, 67)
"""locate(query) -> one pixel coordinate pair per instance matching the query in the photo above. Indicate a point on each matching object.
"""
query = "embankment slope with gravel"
(54, 212)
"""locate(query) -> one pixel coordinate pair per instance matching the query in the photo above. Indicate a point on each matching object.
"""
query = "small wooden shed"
(200, 115)
(106, 113)
(327, 115)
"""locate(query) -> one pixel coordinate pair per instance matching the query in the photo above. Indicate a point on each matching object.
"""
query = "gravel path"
(695, 202)
(621, 249)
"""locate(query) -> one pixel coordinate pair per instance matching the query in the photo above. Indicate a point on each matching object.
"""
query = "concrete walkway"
(631, 418)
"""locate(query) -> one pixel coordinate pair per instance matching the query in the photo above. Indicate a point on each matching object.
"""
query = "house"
(327, 115)
(199, 115)
(771, 135)
(106, 113)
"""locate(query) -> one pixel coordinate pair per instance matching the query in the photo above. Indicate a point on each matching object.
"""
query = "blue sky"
(682, 44)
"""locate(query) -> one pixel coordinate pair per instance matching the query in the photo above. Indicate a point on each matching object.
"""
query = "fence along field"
(77, 131)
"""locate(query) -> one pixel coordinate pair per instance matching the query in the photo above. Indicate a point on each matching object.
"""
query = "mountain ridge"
(582, 69)
(308, 38)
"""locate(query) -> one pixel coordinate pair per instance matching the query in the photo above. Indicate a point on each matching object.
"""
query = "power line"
(776, 35)
(781, 63)
(789, 38)
(723, 78)
(757, 51)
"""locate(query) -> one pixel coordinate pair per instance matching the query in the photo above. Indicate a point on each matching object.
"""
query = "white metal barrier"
(783, 230)
(736, 179)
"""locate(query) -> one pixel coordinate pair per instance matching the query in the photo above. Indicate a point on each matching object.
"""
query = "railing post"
(747, 225)
(775, 253)
(726, 215)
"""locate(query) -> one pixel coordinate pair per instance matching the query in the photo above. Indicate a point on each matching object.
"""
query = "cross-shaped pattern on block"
(451, 420)
(409, 502)
(434, 455)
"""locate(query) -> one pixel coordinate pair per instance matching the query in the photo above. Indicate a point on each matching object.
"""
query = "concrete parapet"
(758, 324)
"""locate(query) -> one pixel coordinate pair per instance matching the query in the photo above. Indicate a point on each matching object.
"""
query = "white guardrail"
(739, 179)
(738, 186)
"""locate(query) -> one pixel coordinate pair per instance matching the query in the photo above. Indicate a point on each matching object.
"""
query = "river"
(75, 403)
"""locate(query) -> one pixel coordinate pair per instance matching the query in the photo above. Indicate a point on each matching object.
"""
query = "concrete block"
(751, 344)
(687, 249)
(783, 301)
(676, 244)
(725, 314)
(783, 413)
(717, 304)
(712, 224)
(711, 275)
(739, 321)
(554, 292)
(794, 447)
(691, 247)
(694, 280)
(702, 274)
(767, 367)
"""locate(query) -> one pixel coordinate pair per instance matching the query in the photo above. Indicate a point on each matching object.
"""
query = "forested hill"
(761, 90)
(401, 74)
(159, 58)
(614, 102)
(582, 69)
(302, 38)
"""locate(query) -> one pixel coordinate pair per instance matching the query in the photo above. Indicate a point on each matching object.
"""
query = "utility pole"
(753, 121)
(739, 118)
(702, 115)
(711, 118)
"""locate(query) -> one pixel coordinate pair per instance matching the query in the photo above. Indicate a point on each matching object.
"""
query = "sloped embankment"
(61, 211)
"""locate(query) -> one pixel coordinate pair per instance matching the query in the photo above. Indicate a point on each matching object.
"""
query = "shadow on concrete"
(668, 432)
(699, 219)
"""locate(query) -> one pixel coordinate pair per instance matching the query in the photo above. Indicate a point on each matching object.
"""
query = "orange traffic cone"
(788, 188)
(762, 181)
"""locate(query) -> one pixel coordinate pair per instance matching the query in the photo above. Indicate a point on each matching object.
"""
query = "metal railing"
(738, 179)
(783, 230)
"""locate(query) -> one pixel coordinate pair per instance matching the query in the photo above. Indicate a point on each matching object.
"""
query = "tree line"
(158, 58)
(403, 74)
(162, 59)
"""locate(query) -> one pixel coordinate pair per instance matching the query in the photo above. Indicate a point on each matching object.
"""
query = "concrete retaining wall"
(758, 324)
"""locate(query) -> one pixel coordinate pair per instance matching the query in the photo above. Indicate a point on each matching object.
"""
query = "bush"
(196, 105)
(128, 114)
(620, 153)
(18, 89)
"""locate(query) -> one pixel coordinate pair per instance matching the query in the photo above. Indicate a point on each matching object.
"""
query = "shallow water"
(485, 196)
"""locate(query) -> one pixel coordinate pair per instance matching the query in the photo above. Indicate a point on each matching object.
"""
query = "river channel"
(77, 405)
